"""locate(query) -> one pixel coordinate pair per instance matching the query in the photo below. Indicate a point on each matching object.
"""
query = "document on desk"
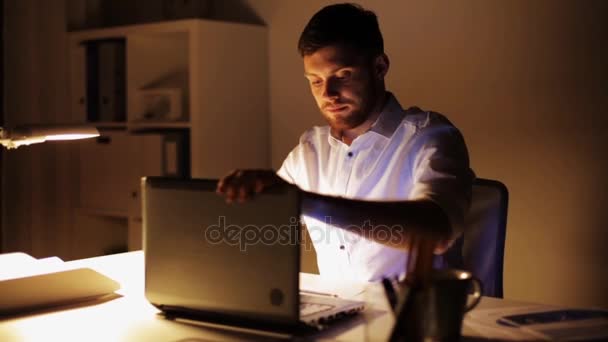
(540, 322)
(27, 283)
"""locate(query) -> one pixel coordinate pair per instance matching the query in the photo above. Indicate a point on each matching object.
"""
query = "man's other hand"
(241, 185)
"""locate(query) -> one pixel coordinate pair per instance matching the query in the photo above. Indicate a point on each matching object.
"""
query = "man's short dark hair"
(346, 24)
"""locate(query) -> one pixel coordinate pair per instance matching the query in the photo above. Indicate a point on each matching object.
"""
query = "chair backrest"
(481, 248)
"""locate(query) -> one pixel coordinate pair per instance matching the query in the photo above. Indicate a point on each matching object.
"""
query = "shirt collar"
(389, 119)
(386, 124)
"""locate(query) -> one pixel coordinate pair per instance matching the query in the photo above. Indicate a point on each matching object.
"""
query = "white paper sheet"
(490, 323)
(21, 265)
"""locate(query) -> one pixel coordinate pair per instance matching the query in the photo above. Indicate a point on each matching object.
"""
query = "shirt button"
(349, 154)
(342, 247)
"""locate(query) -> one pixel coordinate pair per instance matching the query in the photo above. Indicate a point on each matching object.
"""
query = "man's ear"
(381, 65)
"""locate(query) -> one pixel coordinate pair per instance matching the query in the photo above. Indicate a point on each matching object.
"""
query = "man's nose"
(331, 89)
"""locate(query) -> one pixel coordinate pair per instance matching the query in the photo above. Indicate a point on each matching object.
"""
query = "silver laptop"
(235, 264)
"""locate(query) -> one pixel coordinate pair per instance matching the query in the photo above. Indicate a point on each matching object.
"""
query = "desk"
(127, 316)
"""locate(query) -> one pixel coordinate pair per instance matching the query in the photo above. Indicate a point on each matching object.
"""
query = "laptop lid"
(234, 260)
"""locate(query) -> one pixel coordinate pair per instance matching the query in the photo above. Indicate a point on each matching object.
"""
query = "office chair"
(480, 249)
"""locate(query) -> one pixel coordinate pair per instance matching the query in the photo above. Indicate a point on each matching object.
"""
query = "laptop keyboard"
(312, 308)
(320, 310)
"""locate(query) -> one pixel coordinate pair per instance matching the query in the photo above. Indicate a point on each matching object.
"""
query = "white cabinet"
(216, 72)
(110, 169)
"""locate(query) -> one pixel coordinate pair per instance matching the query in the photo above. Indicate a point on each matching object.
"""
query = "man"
(372, 150)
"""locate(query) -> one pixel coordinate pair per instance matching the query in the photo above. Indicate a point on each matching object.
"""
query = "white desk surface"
(129, 317)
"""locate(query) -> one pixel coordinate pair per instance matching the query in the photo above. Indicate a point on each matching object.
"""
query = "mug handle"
(477, 290)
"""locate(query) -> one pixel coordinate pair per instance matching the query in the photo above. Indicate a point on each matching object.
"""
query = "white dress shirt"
(405, 155)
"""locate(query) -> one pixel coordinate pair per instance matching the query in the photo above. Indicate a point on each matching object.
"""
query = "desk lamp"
(62, 285)
(33, 134)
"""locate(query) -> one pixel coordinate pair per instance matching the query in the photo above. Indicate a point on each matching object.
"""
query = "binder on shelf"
(106, 80)
(176, 154)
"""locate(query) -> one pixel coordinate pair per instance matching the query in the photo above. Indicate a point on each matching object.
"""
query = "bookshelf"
(213, 77)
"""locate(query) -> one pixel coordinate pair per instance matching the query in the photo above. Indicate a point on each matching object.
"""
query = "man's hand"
(241, 185)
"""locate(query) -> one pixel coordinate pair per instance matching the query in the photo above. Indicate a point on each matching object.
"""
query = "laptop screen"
(206, 255)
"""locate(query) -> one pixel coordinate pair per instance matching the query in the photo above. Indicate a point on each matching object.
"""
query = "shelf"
(157, 125)
(174, 26)
(103, 212)
(121, 124)
(138, 126)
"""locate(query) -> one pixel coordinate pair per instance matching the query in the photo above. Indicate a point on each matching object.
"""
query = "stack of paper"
(27, 283)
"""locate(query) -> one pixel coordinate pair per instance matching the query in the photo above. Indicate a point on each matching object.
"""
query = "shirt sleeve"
(441, 171)
(294, 167)
(287, 169)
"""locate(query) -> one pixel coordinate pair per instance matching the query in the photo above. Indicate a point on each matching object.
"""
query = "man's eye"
(343, 76)
(315, 82)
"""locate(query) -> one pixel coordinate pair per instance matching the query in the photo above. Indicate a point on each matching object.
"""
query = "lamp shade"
(33, 134)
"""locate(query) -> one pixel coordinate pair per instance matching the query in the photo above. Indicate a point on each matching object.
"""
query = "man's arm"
(391, 223)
